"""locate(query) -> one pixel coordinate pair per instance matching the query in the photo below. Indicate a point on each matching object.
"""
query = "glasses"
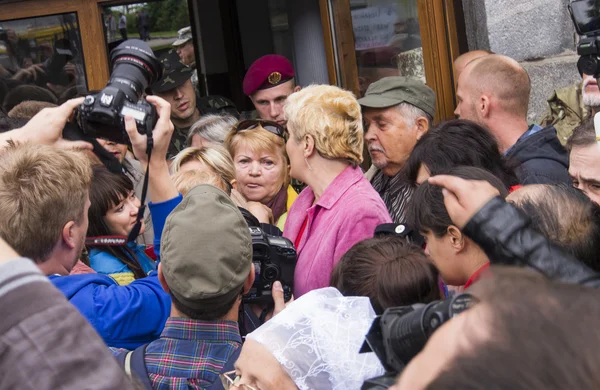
(271, 127)
(229, 379)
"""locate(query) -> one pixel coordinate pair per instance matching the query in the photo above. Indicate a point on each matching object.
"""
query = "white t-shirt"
(122, 22)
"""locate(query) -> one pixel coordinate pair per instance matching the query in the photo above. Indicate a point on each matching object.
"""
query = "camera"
(134, 68)
(400, 333)
(274, 259)
(586, 18)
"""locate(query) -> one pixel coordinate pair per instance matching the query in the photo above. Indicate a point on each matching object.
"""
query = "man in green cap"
(186, 107)
(397, 112)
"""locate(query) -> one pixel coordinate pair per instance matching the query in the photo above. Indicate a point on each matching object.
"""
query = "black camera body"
(400, 333)
(102, 115)
(586, 18)
(274, 259)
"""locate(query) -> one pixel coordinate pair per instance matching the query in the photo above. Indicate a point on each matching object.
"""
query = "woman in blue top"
(113, 212)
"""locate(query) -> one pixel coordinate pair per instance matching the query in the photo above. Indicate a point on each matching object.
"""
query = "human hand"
(278, 300)
(263, 213)
(30, 74)
(463, 198)
(161, 133)
(46, 128)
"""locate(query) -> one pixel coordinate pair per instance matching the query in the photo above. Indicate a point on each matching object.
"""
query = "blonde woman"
(261, 165)
(339, 207)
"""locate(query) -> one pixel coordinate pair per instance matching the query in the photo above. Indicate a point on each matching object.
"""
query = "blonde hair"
(214, 157)
(186, 180)
(259, 140)
(41, 190)
(332, 117)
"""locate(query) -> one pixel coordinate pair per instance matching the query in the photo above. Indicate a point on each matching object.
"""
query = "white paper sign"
(373, 26)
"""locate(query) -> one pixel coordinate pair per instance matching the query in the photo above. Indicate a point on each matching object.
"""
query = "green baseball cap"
(206, 249)
(175, 73)
(390, 91)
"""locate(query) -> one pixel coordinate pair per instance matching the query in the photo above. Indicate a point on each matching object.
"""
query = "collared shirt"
(347, 212)
(190, 353)
(395, 192)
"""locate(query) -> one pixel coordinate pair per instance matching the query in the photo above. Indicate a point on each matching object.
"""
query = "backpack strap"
(228, 366)
(135, 366)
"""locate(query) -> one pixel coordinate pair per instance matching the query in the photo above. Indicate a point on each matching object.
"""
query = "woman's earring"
(307, 164)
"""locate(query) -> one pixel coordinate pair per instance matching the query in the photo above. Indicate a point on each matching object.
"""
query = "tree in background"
(168, 15)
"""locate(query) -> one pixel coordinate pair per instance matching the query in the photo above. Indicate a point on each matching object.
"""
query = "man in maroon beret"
(268, 83)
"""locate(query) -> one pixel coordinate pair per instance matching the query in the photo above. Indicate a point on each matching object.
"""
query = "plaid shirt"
(190, 354)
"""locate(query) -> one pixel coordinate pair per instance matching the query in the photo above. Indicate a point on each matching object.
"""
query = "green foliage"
(167, 15)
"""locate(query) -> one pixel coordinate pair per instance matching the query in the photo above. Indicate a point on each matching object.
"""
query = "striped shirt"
(395, 192)
(190, 353)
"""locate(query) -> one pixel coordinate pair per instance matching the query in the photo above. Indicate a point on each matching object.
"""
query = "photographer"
(525, 333)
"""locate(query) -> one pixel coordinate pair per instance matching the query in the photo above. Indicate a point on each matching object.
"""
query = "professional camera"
(274, 259)
(400, 333)
(134, 68)
(586, 18)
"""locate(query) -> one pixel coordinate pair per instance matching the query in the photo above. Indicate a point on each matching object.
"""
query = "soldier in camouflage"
(186, 107)
(568, 107)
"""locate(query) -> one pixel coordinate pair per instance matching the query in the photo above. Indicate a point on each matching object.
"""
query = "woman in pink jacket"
(339, 207)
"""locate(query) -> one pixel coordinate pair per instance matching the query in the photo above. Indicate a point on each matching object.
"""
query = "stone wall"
(537, 33)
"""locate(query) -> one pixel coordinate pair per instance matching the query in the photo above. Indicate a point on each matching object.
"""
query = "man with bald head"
(464, 59)
(493, 91)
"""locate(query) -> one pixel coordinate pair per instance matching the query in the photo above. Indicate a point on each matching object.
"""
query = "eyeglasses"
(271, 127)
(229, 379)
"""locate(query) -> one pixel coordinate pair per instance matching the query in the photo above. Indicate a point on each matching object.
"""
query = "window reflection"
(388, 40)
(44, 54)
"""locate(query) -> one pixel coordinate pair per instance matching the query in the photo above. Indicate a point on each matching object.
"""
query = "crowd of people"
(487, 204)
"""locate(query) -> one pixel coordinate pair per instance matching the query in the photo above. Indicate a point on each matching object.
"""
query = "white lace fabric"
(316, 340)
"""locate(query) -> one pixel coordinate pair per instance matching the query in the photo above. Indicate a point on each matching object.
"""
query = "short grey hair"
(410, 114)
(212, 127)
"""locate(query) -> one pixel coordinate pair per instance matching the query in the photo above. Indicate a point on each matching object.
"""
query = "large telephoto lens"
(134, 68)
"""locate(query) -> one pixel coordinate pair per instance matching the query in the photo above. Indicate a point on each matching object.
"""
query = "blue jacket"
(107, 264)
(124, 316)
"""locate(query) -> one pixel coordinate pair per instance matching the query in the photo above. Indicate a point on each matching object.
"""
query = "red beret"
(266, 72)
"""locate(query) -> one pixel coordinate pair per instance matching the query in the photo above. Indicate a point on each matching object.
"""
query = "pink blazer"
(347, 212)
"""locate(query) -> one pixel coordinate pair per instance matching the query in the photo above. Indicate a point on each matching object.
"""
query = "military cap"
(183, 35)
(206, 249)
(175, 73)
(267, 72)
(390, 91)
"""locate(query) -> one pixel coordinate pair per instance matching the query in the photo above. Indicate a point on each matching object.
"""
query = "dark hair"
(568, 218)
(459, 142)
(211, 314)
(388, 270)
(583, 135)
(427, 212)
(106, 191)
(27, 92)
(538, 335)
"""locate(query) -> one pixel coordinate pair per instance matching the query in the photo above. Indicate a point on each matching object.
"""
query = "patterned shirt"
(189, 353)
(395, 192)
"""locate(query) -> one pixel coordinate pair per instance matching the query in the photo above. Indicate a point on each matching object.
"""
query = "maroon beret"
(266, 72)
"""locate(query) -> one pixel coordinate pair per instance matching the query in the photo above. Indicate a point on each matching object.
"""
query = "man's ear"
(68, 235)
(297, 88)
(249, 280)
(421, 125)
(484, 106)
(161, 278)
(308, 143)
(457, 240)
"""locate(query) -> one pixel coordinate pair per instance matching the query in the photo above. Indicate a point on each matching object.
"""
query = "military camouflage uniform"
(565, 111)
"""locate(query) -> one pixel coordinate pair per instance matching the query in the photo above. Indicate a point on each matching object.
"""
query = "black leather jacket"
(503, 233)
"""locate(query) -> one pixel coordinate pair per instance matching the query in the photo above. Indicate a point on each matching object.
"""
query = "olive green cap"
(206, 249)
(391, 91)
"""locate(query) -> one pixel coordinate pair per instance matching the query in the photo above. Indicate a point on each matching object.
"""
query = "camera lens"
(134, 67)
(270, 273)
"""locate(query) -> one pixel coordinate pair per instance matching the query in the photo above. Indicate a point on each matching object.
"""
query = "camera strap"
(134, 233)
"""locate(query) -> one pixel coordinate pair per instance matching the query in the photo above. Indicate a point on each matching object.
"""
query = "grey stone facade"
(537, 33)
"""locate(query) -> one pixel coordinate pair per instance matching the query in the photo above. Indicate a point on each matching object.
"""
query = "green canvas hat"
(391, 91)
(175, 73)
